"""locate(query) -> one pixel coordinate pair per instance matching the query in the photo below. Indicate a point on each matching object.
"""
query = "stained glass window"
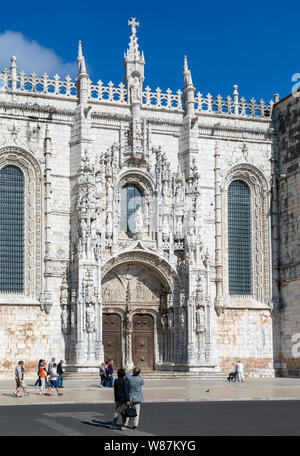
(11, 230)
(239, 238)
(131, 200)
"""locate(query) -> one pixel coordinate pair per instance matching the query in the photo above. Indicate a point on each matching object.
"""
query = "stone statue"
(138, 221)
(182, 318)
(90, 318)
(135, 91)
(179, 195)
(65, 318)
(200, 318)
(171, 319)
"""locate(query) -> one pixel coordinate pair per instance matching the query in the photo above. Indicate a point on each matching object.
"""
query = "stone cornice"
(16, 109)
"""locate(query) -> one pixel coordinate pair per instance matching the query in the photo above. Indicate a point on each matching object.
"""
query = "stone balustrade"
(156, 100)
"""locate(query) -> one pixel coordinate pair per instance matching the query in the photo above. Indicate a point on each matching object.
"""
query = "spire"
(80, 60)
(82, 82)
(133, 53)
(187, 77)
(133, 64)
(188, 89)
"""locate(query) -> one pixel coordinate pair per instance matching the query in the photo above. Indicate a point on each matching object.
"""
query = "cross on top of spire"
(133, 24)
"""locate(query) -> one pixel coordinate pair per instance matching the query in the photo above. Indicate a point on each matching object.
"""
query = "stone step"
(153, 375)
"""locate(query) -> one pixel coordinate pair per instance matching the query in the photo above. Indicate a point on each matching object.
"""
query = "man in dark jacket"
(121, 397)
(60, 372)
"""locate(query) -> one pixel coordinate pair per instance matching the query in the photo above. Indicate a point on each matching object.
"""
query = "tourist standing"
(121, 396)
(50, 365)
(60, 371)
(53, 380)
(38, 382)
(110, 378)
(102, 372)
(135, 383)
(20, 382)
(240, 371)
(43, 377)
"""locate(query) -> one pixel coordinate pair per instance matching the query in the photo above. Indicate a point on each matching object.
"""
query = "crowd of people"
(49, 377)
(127, 387)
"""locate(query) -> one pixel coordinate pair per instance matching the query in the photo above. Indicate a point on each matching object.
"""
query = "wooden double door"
(142, 340)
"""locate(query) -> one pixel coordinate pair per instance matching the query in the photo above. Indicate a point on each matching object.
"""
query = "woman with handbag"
(121, 395)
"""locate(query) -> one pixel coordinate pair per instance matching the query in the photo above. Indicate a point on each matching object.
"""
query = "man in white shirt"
(240, 371)
(53, 380)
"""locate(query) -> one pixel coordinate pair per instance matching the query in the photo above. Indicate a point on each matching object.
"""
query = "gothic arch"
(260, 228)
(159, 266)
(24, 160)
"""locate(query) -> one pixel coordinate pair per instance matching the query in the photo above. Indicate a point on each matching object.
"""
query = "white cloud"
(31, 56)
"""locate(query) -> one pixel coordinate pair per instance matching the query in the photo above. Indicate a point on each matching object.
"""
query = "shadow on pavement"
(102, 424)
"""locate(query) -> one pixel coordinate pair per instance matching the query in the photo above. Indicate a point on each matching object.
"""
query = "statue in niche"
(200, 318)
(179, 195)
(73, 318)
(65, 319)
(166, 195)
(107, 294)
(179, 226)
(90, 318)
(99, 184)
(139, 290)
(171, 318)
(166, 226)
(163, 321)
(135, 90)
(138, 221)
(182, 318)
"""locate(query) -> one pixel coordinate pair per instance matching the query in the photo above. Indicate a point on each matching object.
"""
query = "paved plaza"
(86, 390)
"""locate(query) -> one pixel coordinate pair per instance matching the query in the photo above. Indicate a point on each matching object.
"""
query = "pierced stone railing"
(157, 100)
(34, 84)
(108, 94)
(169, 100)
(233, 105)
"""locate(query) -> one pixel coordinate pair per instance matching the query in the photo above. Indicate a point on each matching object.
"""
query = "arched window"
(11, 230)
(131, 200)
(239, 238)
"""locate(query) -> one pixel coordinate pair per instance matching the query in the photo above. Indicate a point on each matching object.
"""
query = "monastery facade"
(142, 226)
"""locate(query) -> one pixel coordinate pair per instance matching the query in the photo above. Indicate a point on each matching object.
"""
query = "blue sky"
(253, 44)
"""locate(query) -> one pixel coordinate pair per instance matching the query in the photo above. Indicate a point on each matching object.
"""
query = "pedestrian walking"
(53, 380)
(121, 396)
(19, 377)
(38, 382)
(43, 377)
(50, 365)
(110, 377)
(60, 371)
(240, 371)
(102, 372)
(135, 383)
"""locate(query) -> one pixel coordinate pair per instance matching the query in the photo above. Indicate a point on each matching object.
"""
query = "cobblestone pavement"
(167, 390)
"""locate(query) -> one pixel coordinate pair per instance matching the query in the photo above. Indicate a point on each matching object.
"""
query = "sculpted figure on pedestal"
(90, 318)
(139, 221)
